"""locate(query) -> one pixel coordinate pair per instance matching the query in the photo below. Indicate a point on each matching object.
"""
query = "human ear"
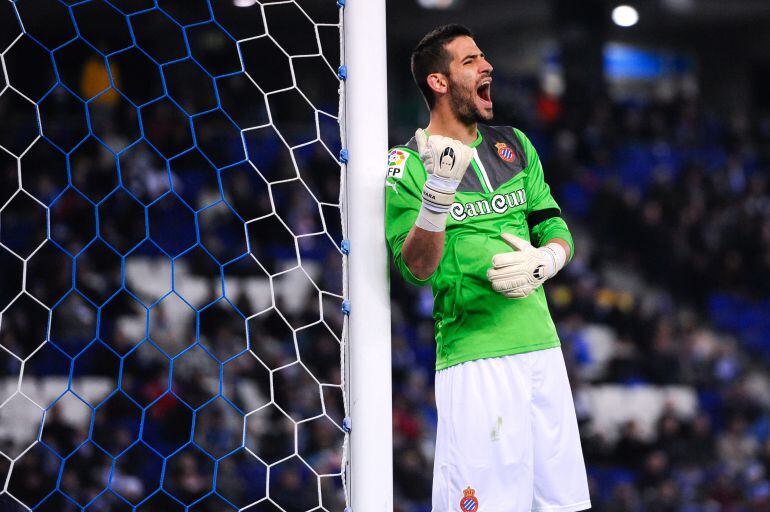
(438, 82)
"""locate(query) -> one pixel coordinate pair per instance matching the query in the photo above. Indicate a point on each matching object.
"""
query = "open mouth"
(484, 93)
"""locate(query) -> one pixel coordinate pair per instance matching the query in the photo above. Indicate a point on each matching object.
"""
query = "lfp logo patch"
(469, 502)
(504, 152)
(396, 163)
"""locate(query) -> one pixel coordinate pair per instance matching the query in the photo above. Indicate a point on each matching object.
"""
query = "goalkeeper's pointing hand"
(445, 160)
(518, 273)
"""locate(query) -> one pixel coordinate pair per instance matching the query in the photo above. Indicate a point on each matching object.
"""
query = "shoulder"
(410, 144)
(401, 157)
(406, 149)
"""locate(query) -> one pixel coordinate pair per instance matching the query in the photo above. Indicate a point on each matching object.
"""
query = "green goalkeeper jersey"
(502, 191)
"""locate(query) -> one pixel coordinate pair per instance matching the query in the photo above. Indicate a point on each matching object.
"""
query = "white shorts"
(507, 437)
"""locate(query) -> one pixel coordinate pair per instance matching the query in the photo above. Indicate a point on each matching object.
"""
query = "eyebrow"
(472, 56)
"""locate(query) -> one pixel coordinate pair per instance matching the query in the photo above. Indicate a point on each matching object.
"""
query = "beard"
(463, 101)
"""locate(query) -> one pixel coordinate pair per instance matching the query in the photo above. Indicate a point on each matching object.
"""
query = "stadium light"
(625, 16)
(244, 3)
(436, 4)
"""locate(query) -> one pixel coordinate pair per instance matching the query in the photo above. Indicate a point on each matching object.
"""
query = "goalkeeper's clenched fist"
(518, 273)
(445, 160)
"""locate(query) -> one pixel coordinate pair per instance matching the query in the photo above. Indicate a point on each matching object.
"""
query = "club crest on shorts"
(505, 152)
(469, 502)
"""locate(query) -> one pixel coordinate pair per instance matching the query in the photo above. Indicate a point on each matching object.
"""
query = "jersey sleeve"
(543, 213)
(403, 199)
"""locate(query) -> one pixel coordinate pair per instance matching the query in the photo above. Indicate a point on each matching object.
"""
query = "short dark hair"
(430, 56)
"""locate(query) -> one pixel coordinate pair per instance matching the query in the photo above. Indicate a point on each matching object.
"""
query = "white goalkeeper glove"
(518, 273)
(445, 160)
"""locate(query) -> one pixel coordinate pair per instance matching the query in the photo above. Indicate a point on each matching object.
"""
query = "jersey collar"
(473, 144)
(477, 141)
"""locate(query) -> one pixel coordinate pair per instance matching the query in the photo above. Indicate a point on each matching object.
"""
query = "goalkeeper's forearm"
(424, 245)
(422, 251)
(445, 161)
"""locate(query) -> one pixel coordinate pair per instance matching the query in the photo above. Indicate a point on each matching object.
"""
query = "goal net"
(173, 242)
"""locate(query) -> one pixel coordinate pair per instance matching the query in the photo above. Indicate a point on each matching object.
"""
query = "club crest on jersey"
(469, 502)
(396, 163)
(505, 152)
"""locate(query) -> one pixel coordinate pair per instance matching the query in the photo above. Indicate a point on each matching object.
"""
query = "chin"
(484, 114)
(482, 110)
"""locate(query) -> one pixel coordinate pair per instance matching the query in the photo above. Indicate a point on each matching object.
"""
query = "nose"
(486, 67)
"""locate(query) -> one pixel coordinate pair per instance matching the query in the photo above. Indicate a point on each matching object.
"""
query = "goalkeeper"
(468, 211)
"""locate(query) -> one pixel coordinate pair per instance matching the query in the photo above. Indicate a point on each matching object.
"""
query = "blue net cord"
(171, 323)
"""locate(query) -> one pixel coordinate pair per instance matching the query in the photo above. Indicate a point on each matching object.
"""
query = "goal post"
(369, 369)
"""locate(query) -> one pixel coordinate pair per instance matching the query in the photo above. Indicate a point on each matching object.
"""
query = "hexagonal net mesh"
(170, 233)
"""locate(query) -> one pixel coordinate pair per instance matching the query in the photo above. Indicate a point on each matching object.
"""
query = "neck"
(446, 124)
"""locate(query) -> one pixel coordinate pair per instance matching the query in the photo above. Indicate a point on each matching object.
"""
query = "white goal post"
(369, 368)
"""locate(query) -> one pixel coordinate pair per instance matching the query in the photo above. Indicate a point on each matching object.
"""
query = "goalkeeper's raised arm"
(445, 161)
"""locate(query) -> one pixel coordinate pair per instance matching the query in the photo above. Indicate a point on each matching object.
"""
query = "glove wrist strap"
(430, 220)
(437, 199)
(557, 253)
(442, 183)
